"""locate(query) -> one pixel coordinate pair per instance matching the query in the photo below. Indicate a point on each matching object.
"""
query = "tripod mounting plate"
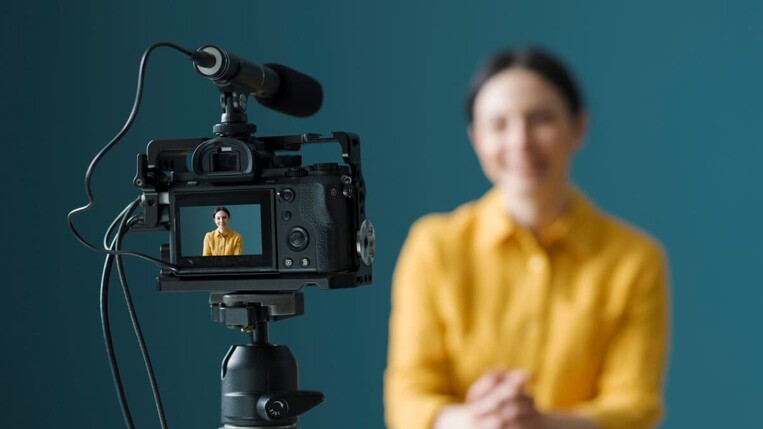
(244, 310)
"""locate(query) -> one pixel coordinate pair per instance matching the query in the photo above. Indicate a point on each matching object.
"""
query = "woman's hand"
(499, 400)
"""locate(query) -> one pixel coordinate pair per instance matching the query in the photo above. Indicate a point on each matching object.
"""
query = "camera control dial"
(366, 242)
(298, 239)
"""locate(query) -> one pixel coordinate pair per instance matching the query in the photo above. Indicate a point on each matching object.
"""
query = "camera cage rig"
(172, 154)
(155, 198)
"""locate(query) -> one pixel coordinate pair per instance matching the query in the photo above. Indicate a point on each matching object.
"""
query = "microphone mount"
(234, 122)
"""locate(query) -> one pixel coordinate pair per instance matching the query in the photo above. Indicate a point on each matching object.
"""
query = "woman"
(528, 308)
(223, 241)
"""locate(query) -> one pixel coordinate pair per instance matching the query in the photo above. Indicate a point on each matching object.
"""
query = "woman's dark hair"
(221, 209)
(536, 60)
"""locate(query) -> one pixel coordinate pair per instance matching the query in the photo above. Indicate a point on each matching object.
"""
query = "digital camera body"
(300, 224)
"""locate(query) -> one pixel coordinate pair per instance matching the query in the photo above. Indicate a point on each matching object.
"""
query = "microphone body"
(273, 85)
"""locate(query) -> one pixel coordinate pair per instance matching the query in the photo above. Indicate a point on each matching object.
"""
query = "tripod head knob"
(278, 406)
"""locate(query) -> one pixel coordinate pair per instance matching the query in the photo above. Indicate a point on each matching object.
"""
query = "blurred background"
(674, 92)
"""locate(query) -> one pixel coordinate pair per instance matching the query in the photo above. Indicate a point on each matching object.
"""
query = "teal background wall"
(674, 89)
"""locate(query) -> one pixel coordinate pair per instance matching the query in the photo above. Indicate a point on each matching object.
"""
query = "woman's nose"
(518, 136)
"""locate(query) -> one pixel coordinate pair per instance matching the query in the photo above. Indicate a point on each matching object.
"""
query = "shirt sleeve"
(207, 251)
(416, 379)
(630, 385)
(238, 248)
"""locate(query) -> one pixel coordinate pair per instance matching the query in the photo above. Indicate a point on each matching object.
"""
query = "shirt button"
(536, 263)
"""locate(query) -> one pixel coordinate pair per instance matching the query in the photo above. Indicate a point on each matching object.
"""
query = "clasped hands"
(497, 400)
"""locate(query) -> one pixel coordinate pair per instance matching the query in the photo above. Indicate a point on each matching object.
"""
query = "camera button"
(297, 238)
(305, 262)
(286, 195)
(288, 262)
(286, 215)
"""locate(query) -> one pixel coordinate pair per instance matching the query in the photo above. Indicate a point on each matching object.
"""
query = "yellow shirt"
(583, 308)
(218, 244)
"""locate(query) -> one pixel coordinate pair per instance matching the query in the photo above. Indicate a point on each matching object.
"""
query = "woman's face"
(524, 134)
(221, 220)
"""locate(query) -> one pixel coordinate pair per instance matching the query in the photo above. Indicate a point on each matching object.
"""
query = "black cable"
(91, 168)
(106, 328)
(139, 332)
(124, 226)
(117, 220)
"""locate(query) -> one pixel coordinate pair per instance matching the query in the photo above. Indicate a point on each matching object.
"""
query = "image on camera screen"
(243, 235)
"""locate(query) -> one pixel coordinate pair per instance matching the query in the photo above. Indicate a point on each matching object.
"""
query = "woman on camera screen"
(528, 308)
(223, 241)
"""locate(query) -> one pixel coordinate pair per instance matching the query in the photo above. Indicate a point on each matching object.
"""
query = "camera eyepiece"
(223, 159)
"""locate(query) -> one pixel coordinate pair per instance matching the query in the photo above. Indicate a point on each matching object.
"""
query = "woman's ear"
(580, 122)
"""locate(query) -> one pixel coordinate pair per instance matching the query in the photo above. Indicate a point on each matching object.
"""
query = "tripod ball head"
(260, 388)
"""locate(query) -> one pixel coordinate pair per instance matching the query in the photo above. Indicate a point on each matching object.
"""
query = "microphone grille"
(298, 94)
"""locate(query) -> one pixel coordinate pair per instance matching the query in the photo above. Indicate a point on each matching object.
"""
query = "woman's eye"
(497, 124)
(540, 118)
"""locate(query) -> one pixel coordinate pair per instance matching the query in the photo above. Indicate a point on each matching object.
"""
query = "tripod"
(259, 380)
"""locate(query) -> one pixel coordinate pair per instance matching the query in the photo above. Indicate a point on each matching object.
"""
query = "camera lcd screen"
(223, 231)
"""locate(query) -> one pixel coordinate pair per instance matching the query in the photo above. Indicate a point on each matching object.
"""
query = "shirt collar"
(574, 229)
(224, 234)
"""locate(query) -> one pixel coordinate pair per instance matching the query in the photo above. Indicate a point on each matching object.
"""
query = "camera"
(277, 226)
(299, 224)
